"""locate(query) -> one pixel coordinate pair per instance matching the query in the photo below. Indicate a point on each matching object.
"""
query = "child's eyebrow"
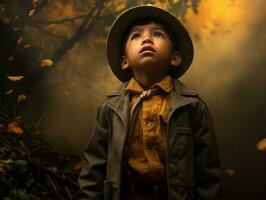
(136, 29)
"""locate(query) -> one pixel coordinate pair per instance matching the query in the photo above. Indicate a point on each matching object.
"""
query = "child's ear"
(124, 62)
(176, 59)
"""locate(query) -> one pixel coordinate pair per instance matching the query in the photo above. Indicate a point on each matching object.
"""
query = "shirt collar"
(165, 84)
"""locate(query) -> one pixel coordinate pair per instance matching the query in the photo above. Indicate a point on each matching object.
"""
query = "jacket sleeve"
(91, 179)
(207, 159)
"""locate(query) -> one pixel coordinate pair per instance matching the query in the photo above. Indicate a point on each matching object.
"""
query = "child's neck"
(147, 81)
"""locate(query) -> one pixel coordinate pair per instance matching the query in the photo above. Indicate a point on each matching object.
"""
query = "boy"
(153, 137)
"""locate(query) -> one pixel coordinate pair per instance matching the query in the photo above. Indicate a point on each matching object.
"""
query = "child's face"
(149, 48)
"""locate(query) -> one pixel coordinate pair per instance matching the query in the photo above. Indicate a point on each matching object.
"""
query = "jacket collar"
(118, 99)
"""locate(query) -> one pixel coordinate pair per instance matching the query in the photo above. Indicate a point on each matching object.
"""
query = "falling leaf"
(9, 92)
(5, 20)
(51, 25)
(31, 13)
(10, 58)
(34, 3)
(2, 170)
(27, 46)
(229, 172)
(21, 97)
(2, 7)
(15, 78)
(8, 161)
(79, 165)
(14, 128)
(46, 63)
(19, 41)
(16, 29)
(261, 145)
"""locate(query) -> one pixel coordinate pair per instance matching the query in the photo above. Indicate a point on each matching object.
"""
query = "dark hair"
(145, 21)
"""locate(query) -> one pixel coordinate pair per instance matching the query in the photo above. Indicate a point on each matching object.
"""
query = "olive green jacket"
(193, 163)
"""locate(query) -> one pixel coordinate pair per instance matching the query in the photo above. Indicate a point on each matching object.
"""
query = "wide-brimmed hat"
(120, 27)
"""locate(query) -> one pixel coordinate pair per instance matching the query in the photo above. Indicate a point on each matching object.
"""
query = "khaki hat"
(119, 28)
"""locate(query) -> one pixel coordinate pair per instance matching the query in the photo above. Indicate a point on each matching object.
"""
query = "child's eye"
(157, 34)
(135, 36)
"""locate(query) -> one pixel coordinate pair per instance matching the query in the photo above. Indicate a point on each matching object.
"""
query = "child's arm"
(207, 159)
(91, 179)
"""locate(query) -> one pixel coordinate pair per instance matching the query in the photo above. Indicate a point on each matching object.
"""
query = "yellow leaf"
(21, 97)
(229, 172)
(31, 13)
(261, 145)
(8, 161)
(15, 78)
(9, 92)
(51, 25)
(19, 41)
(79, 165)
(14, 128)
(2, 7)
(16, 29)
(46, 63)
(27, 46)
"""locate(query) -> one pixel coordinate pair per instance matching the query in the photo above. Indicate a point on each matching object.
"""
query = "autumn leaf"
(229, 172)
(2, 7)
(15, 78)
(31, 12)
(19, 41)
(51, 25)
(16, 29)
(46, 63)
(27, 46)
(261, 145)
(14, 128)
(21, 97)
(9, 92)
(79, 165)
(34, 3)
(2, 170)
(10, 58)
(66, 93)
(5, 20)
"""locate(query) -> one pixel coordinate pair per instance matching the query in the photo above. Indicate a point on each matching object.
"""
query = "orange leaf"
(9, 92)
(261, 145)
(46, 63)
(31, 13)
(229, 172)
(51, 25)
(27, 46)
(14, 128)
(79, 165)
(2, 170)
(21, 97)
(2, 7)
(5, 20)
(15, 78)
(10, 58)
(19, 41)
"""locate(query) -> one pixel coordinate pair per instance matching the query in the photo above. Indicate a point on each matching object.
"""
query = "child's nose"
(147, 39)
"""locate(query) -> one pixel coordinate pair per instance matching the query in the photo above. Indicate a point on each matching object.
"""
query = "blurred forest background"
(54, 72)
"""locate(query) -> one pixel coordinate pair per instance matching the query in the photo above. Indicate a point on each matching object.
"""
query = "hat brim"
(120, 26)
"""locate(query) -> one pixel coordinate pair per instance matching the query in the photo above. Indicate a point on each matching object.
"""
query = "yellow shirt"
(147, 151)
